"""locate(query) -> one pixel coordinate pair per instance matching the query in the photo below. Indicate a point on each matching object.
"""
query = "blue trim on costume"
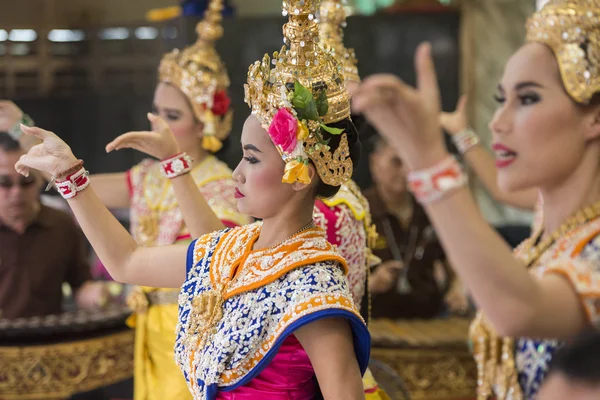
(360, 334)
(189, 260)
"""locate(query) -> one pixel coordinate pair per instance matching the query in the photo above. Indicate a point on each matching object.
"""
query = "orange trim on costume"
(314, 303)
(244, 235)
(584, 242)
(249, 237)
(280, 273)
(569, 278)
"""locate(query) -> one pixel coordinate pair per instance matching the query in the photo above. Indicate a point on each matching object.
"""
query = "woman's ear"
(312, 174)
(594, 129)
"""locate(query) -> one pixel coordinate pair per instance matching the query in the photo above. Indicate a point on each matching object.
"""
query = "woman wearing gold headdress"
(192, 97)
(345, 215)
(264, 308)
(547, 136)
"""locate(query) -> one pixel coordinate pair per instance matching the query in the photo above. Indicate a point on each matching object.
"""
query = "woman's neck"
(580, 189)
(278, 228)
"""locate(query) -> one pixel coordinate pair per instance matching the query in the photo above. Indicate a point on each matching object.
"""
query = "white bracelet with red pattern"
(73, 183)
(177, 165)
(465, 140)
(433, 183)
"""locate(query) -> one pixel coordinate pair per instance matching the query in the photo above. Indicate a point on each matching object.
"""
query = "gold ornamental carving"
(60, 370)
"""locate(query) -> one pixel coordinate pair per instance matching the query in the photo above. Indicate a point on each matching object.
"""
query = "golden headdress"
(332, 21)
(296, 98)
(201, 75)
(571, 28)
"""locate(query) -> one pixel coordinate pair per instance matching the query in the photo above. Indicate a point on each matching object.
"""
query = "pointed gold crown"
(571, 28)
(302, 86)
(201, 75)
(332, 21)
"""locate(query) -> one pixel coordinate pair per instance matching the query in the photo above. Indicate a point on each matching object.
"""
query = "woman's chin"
(512, 181)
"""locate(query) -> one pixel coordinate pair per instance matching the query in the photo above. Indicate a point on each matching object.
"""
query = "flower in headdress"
(302, 133)
(211, 143)
(221, 103)
(283, 129)
(296, 171)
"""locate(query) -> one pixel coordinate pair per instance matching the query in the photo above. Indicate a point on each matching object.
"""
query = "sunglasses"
(24, 182)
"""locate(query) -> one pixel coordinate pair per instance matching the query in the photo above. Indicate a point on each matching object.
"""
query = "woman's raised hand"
(52, 156)
(159, 143)
(409, 118)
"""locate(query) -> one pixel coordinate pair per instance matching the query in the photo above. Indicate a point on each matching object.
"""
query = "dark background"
(89, 118)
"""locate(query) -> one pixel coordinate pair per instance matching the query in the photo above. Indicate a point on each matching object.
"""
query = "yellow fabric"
(372, 389)
(156, 375)
(379, 394)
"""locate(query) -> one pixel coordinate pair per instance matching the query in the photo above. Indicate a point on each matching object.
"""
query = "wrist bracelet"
(73, 168)
(431, 184)
(73, 184)
(177, 165)
(465, 140)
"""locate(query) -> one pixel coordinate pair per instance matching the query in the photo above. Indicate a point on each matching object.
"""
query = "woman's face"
(388, 172)
(539, 134)
(174, 107)
(259, 191)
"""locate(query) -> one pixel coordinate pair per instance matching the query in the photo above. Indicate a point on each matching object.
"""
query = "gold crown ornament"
(571, 28)
(297, 94)
(332, 21)
(201, 75)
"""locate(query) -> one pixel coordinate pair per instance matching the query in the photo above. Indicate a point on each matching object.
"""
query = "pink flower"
(283, 130)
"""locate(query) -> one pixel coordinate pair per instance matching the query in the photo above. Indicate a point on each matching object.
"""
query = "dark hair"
(324, 190)
(8, 144)
(580, 360)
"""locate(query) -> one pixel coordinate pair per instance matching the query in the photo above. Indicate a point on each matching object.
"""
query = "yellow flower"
(302, 132)
(296, 171)
(211, 143)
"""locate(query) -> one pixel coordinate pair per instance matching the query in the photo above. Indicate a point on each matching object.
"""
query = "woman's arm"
(112, 189)
(482, 162)
(329, 345)
(199, 217)
(515, 302)
(126, 262)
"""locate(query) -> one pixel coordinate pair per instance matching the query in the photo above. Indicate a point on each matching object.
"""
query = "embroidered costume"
(513, 369)
(346, 218)
(239, 306)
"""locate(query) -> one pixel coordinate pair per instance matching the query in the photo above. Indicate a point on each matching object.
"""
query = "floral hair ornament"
(571, 28)
(298, 99)
(201, 75)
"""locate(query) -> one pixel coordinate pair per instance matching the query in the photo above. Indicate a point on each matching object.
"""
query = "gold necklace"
(304, 228)
(529, 252)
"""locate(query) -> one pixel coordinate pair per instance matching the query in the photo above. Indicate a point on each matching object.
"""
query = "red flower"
(283, 130)
(221, 103)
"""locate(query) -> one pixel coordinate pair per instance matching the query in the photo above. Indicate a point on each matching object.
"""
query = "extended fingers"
(158, 124)
(22, 166)
(126, 140)
(426, 75)
(39, 133)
